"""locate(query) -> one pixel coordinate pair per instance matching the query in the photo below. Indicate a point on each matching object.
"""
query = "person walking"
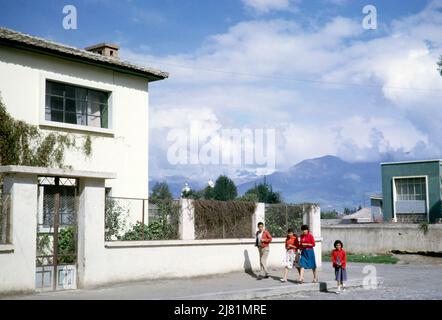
(339, 260)
(291, 247)
(263, 239)
(308, 260)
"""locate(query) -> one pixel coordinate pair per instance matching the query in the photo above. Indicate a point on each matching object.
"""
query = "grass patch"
(366, 258)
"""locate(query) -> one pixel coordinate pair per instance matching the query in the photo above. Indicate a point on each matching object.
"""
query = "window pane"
(70, 106)
(94, 121)
(57, 116)
(97, 97)
(104, 117)
(70, 117)
(94, 109)
(56, 103)
(55, 88)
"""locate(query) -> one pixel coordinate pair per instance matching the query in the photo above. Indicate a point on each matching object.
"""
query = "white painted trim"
(75, 127)
(6, 248)
(85, 84)
(44, 171)
(416, 161)
(175, 243)
(427, 204)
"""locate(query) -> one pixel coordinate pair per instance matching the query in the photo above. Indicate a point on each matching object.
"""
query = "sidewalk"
(235, 285)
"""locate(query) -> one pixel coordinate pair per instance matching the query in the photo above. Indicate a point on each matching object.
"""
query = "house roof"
(364, 213)
(20, 40)
(411, 161)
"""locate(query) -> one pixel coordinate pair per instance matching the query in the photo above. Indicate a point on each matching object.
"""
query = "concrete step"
(283, 289)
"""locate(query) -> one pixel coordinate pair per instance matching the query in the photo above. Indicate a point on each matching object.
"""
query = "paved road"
(417, 278)
(414, 278)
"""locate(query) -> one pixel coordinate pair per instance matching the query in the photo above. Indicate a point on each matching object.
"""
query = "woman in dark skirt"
(308, 260)
(339, 260)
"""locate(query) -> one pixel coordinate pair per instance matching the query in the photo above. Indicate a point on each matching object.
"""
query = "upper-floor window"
(76, 105)
(410, 189)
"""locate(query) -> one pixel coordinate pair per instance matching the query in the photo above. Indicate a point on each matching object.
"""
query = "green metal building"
(412, 191)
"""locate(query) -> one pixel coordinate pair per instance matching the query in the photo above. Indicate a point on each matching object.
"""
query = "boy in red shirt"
(339, 260)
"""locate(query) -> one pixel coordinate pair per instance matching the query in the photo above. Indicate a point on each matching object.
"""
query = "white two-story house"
(65, 89)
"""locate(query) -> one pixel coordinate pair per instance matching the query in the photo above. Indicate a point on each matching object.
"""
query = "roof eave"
(151, 77)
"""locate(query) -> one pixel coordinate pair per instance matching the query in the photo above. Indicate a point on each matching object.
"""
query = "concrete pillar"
(313, 214)
(187, 220)
(258, 216)
(17, 264)
(90, 229)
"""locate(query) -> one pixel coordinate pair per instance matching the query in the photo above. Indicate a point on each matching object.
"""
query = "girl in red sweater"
(339, 260)
(307, 260)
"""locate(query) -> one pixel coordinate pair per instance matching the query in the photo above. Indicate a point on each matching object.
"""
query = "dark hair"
(338, 242)
(260, 224)
(304, 227)
(290, 230)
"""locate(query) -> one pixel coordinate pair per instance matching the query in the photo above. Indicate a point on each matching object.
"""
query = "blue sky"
(305, 68)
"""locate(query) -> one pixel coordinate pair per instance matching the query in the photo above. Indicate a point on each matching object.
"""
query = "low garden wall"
(383, 238)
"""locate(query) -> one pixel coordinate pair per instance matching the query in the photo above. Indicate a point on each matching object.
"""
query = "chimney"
(105, 49)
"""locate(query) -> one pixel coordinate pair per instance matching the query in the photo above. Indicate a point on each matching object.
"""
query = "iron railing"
(130, 219)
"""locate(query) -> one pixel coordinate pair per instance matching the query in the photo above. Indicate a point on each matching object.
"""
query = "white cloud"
(265, 6)
(246, 77)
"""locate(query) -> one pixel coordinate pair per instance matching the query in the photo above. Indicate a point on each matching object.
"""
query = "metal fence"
(279, 217)
(5, 218)
(223, 219)
(131, 219)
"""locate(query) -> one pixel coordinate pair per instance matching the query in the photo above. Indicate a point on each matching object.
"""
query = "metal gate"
(56, 258)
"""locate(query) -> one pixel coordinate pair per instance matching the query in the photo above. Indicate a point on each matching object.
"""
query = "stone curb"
(283, 289)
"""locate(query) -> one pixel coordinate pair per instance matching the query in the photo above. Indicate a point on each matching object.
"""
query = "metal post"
(142, 222)
(55, 240)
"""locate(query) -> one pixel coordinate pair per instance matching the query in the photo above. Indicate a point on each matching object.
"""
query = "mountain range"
(328, 180)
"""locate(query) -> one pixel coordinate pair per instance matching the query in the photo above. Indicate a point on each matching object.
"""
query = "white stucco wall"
(17, 261)
(123, 149)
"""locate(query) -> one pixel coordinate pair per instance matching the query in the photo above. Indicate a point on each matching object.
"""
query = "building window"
(410, 189)
(76, 105)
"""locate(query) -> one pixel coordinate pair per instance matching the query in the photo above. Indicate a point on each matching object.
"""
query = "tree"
(224, 189)
(161, 191)
(265, 193)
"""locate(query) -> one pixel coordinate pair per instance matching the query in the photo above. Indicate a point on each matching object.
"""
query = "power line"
(273, 77)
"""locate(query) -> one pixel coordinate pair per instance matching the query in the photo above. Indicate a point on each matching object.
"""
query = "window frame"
(427, 208)
(70, 126)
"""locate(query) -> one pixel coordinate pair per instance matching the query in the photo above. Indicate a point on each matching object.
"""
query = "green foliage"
(43, 247)
(157, 230)
(66, 245)
(115, 219)
(252, 197)
(364, 258)
(280, 217)
(66, 249)
(349, 210)
(223, 219)
(265, 193)
(160, 191)
(224, 189)
(25, 144)
(424, 227)
(329, 214)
